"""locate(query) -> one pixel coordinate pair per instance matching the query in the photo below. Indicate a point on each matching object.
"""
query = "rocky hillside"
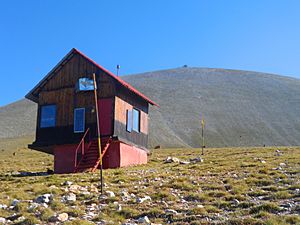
(241, 108)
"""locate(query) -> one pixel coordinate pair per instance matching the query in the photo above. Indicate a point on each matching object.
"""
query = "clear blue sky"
(146, 35)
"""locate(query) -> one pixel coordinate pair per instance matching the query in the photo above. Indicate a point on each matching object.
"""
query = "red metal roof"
(32, 97)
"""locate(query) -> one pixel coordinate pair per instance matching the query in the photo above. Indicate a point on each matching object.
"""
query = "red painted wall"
(64, 158)
(131, 155)
(111, 158)
(118, 155)
(121, 155)
(105, 115)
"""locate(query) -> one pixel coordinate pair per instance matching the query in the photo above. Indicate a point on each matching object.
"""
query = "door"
(105, 106)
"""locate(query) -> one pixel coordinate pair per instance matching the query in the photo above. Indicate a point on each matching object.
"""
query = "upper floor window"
(133, 120)
(129, 120)
(48, 116)
(136, 120)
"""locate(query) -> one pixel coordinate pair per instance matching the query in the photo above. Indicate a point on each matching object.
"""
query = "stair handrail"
(82, 146)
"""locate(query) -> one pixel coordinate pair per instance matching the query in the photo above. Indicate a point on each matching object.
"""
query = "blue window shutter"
(79, 120)
(48, 116)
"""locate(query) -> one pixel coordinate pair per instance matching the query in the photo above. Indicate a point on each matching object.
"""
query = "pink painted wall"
(131, 155)
(64, 158)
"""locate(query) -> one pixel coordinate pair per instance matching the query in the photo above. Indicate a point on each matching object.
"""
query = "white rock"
(3, 206)
(68, 183)
(70, 197)
(141, 200)
(200, 206)
(236, 202)
(21, 218)
(110, 194)
(263, 161)
(119, 207)
(171, 211)
(46, 198)
(33, 206)
(197, 159)
(2, 220)
(144, 219)
(282, 164)
(170, 159)
(184, 162)
(62, 217)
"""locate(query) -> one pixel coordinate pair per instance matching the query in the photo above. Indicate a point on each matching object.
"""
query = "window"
(48, 116)
(133, 120)
(79, 120)
(85, 84)
(136, 120)
(129, 120)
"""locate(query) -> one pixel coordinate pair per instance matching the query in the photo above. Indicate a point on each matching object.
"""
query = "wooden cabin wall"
(124, 101)
(60, 90)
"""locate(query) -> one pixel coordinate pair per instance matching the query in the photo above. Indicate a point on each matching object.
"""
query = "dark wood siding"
(60, 90)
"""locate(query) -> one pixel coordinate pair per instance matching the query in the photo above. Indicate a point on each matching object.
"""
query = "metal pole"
(202, 140)
(202, 125)
(98, 132)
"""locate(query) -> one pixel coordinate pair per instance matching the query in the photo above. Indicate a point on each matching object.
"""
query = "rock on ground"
(170, 159)
(62, 217)
(70, 197)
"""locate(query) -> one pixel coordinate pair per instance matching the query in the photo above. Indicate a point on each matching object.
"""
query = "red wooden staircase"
(89, 157)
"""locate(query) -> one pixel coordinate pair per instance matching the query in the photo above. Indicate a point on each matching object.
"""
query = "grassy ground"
(231, 186)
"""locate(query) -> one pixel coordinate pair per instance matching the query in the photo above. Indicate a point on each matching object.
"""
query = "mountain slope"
(18, 119)
(241, 108)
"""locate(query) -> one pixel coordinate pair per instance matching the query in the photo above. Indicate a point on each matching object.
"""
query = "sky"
(142, 36)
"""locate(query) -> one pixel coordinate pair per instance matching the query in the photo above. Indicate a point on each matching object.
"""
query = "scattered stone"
(2, 220)
(141, 200)
(263, 161)
(110, 194)
(70, 197)
(235, 201)
(68, 183)
(235, 175)
(21, 218)
(170, 159)
(144, 219)
(62, 217)
(53, 187)
(32, 206)
(165, 204)
(94, 189)
(77, 189)
(184, 162)
(3, 206)
(282, 165)
(45, 198)
(15, 202)
(13, 217)
(119, 207)
(196, 160)
(171, 211)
